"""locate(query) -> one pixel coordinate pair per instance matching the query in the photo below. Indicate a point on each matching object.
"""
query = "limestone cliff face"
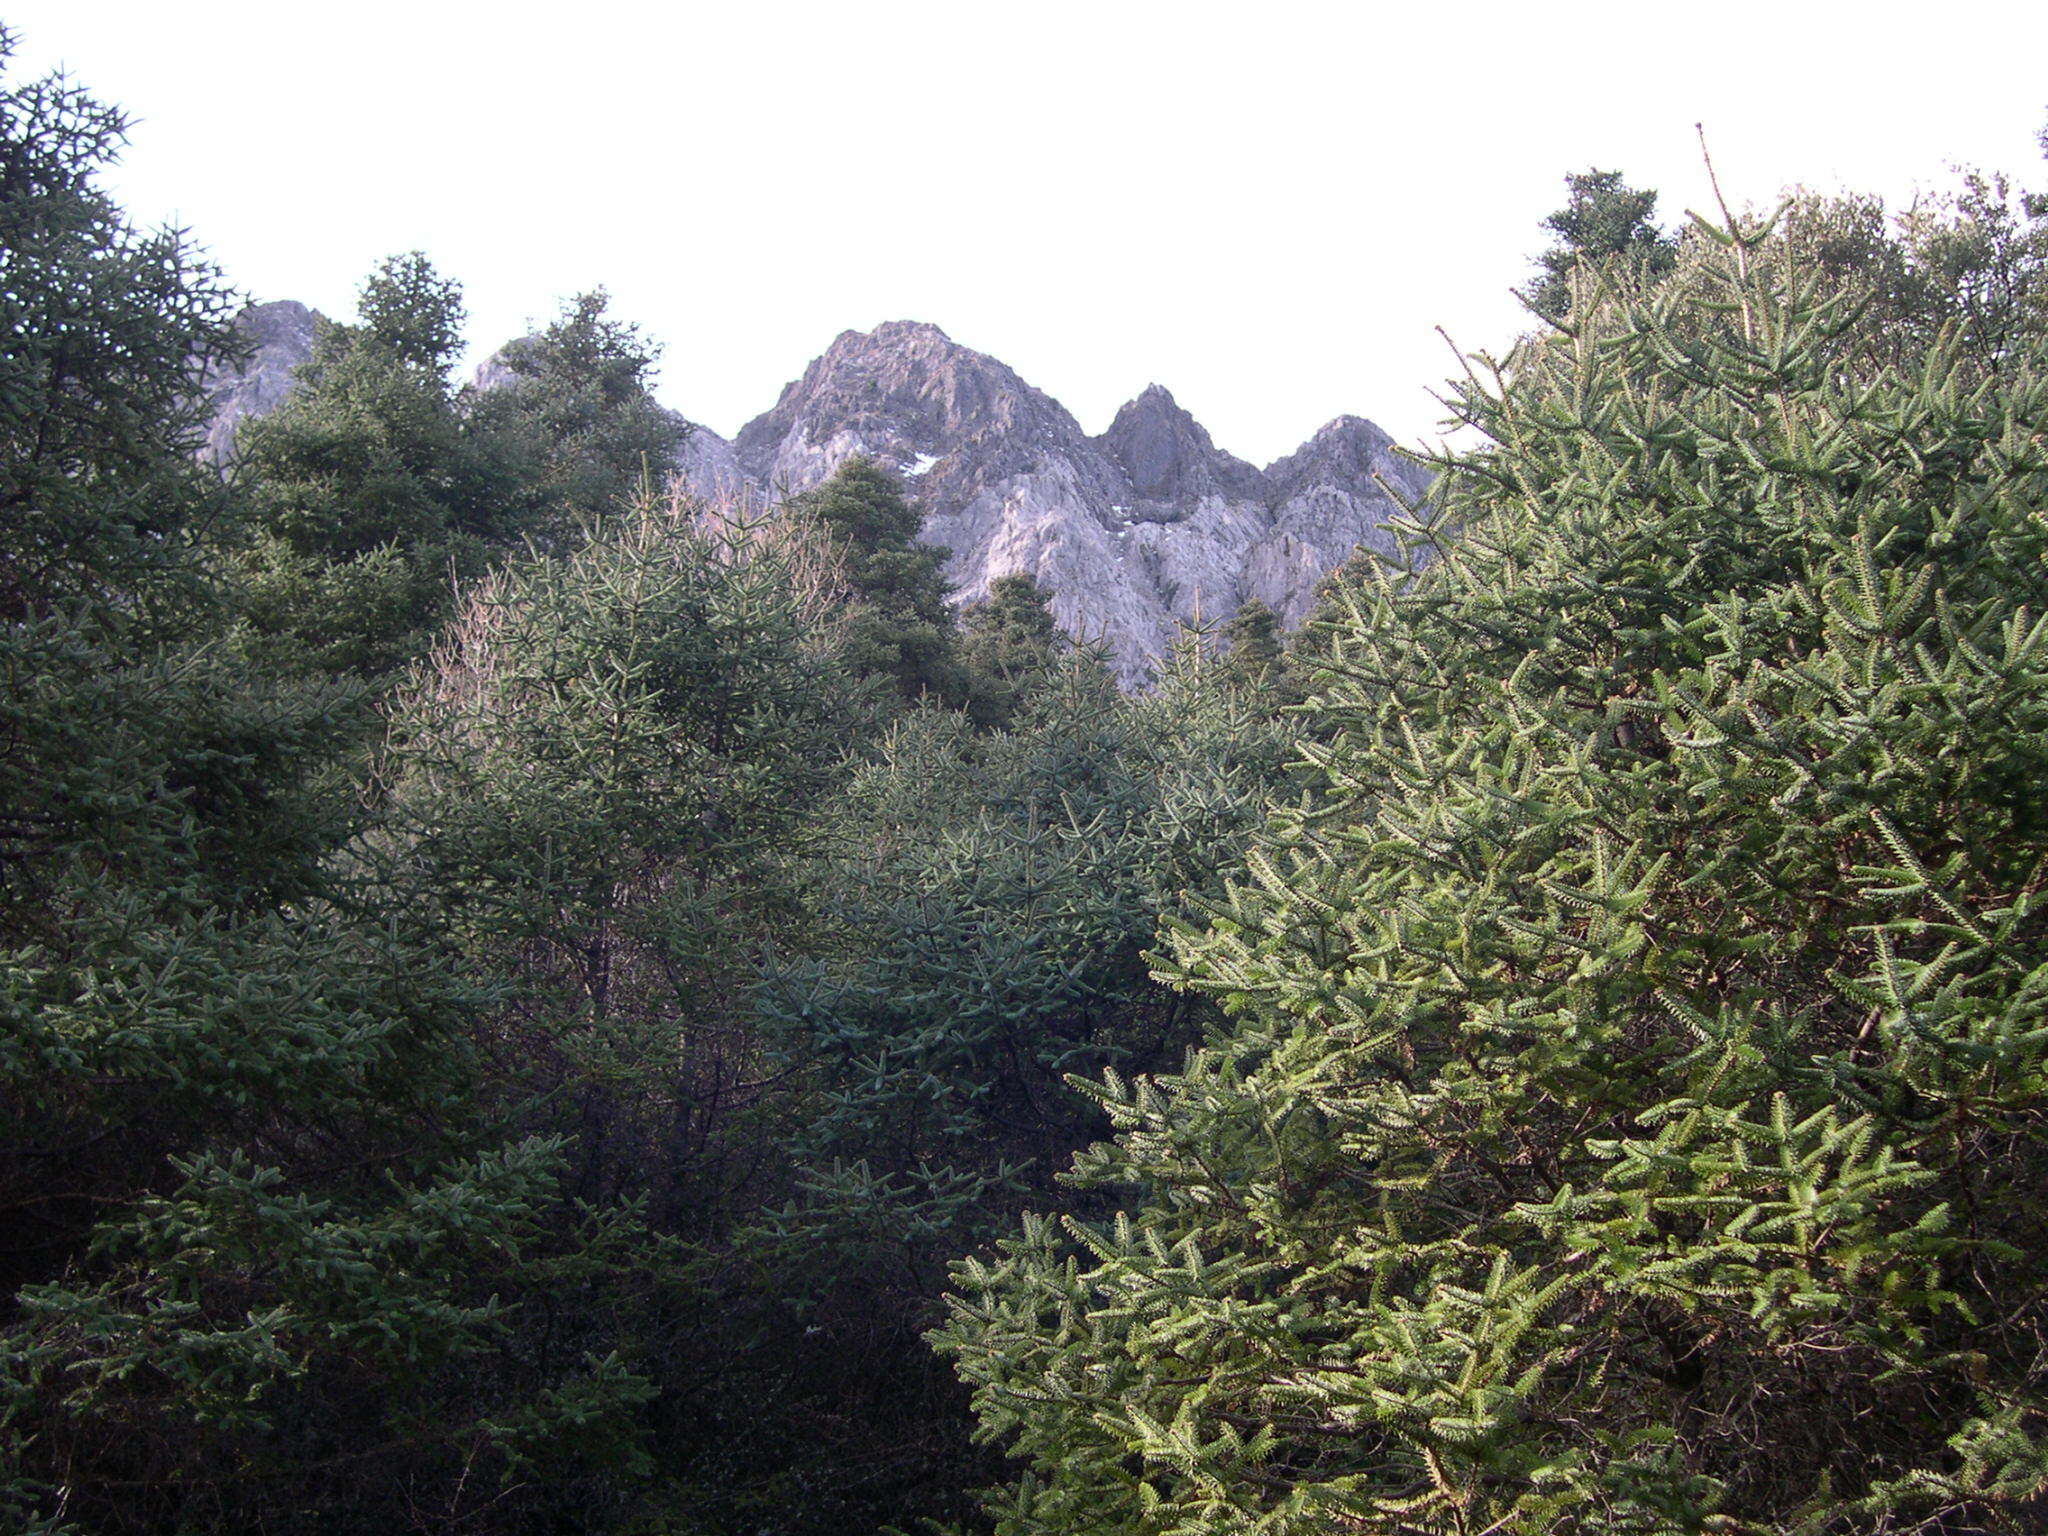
(1326, 499)
(1136, 531)
(1167, 455)
(707, 465)
(1009, 481)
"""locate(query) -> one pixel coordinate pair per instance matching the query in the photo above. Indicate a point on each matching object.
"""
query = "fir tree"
(1009, 645)
(979, 933)
(1605, 220)
(575, 421)
(1632, 1114)
(369, 495)
(599, 778)
(904, 629)
(986, 921)
(261, 1257)
(108, 330)
(604, 787)
(1254, 655)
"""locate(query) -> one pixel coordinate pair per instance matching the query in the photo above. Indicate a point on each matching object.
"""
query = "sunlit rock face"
(1326, 498)
(1135, 532)
(710, 469)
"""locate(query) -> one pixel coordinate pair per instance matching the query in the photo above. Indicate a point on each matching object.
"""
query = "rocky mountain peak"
(1168, 455)
(902, 350)
(900, 336)
(1349, 450)
(905, 394)
(1134, 532)
(495, 371)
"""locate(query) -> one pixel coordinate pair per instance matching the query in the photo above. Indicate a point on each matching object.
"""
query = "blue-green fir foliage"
(982, 934)
(1632, 1119)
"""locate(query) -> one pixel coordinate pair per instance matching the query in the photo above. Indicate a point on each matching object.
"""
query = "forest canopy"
(534, 1002)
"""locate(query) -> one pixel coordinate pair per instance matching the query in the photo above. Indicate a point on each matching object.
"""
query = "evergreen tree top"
(863, 504)
(109, 331)
(1627, 1019)
(1604, 220)
(905, 627)
(412, 311)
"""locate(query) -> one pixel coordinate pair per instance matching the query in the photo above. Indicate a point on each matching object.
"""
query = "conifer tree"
(1009, 645)
(604, 787)
(904, 628)
(258, 1255)
(575, 421)
(1631, 1119)
(978, 933)
(1605, 220)
(1255, 656)
(107, 329)
(600, 778)
(369, 496)
(985, 922)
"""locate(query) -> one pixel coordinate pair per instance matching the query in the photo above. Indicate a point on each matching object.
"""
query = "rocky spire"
(1349, 451)
(905, 394)
(1168, 455)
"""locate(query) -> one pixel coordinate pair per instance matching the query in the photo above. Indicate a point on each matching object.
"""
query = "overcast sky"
(1266, 208)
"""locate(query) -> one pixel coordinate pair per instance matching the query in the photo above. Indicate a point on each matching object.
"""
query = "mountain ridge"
(1136, 530)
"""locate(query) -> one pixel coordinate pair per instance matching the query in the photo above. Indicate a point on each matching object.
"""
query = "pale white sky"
(1266, 208)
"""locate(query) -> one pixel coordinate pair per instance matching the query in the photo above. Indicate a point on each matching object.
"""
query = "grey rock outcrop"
(1328, 496)
(495, 371)
(1008, 480)
(1167, 455)
(1135, 532)
(280, 338)
(708, 468)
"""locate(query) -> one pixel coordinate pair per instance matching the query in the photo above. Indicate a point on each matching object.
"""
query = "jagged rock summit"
(1135, 532)
(1167, 454)
(1148, 526)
